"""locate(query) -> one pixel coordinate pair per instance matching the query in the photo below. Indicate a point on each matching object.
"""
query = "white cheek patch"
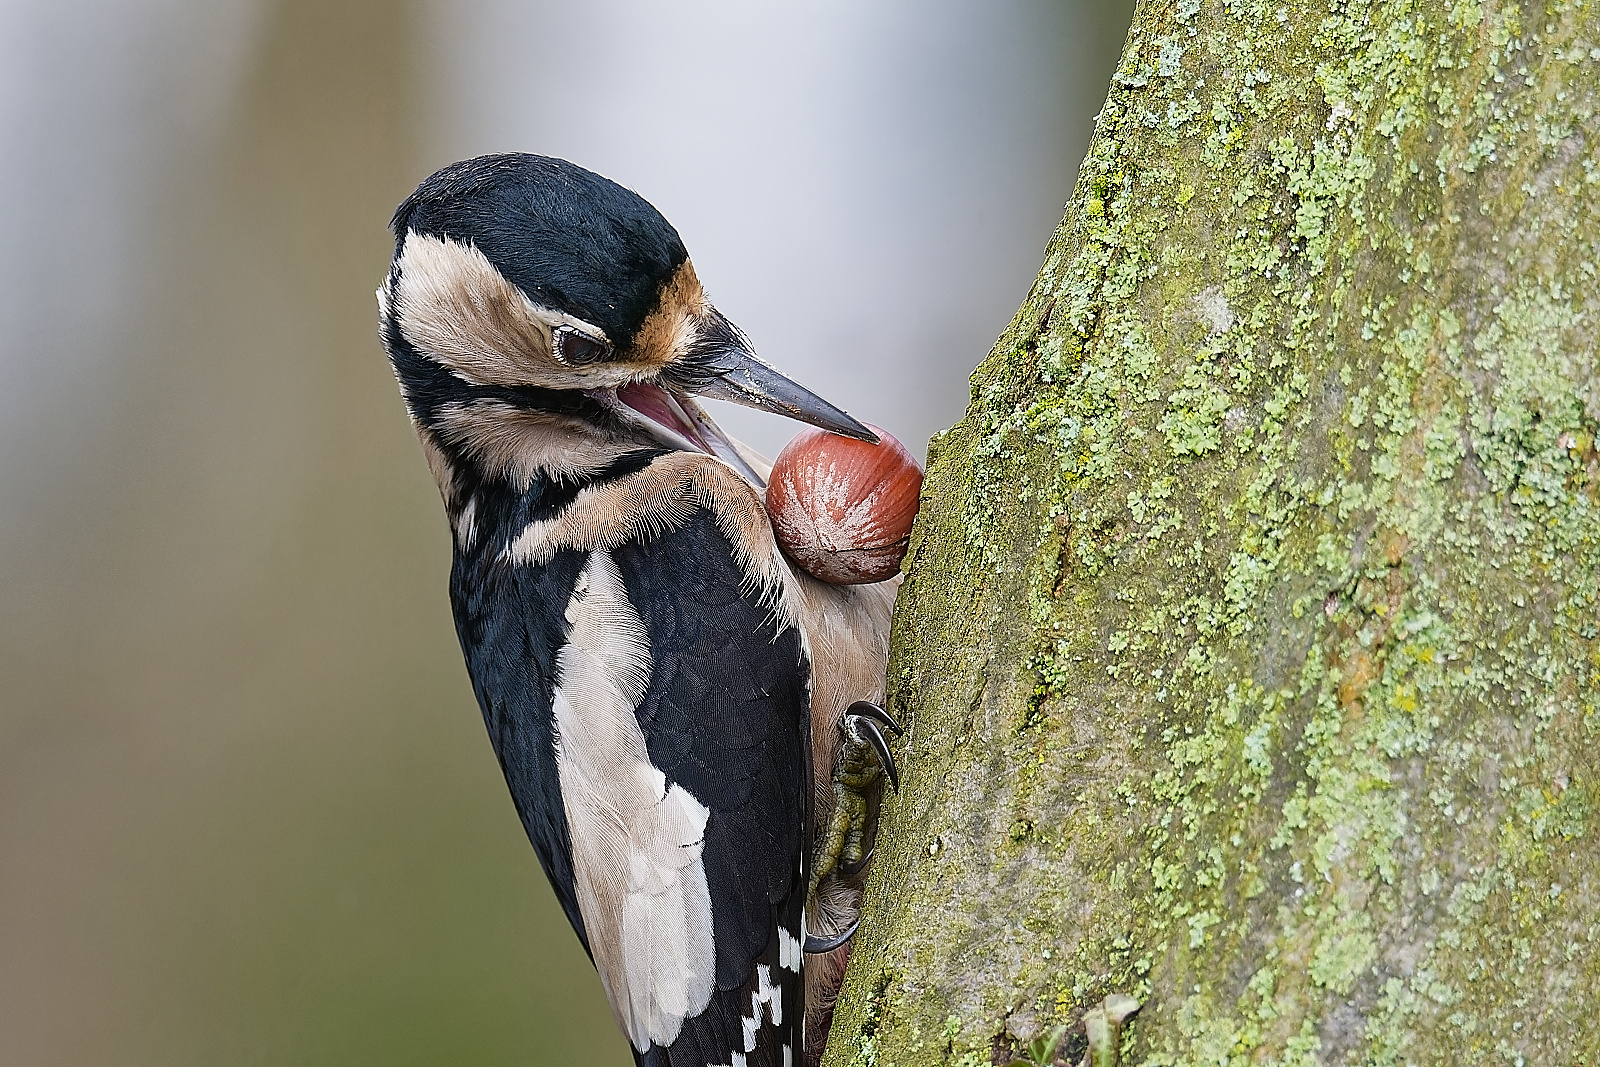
(454, 307)
(636, 843)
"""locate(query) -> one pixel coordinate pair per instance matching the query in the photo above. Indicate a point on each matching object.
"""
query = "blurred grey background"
(248, 814)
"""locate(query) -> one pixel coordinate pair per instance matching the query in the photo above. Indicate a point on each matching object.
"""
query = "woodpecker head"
(543, 320)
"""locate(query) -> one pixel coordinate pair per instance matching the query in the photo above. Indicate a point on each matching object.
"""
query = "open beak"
(721, 367)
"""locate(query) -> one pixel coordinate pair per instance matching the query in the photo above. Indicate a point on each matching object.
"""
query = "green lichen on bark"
(1249, 641)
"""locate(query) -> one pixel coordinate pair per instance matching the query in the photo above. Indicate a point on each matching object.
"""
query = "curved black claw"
(867, 726)
(850, 870)
(816, 946)
(867, 709)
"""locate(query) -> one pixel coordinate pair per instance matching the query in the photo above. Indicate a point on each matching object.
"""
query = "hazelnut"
(842, 509)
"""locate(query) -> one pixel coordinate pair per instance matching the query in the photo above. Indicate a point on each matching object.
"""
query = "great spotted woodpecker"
(680, 715)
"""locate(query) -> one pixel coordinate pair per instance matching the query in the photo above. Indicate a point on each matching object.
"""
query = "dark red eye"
(578, 349)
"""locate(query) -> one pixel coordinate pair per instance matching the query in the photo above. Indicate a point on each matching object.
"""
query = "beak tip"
(739, 377)
(865, 434)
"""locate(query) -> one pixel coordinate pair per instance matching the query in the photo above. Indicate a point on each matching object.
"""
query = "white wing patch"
(636, 844)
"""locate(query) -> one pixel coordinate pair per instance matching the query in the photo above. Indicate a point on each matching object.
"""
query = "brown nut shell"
(842, 509)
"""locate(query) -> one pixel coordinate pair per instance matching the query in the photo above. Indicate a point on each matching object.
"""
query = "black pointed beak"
(722, 367)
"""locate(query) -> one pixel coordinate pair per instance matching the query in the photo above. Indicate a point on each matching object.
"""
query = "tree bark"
(1248, 649)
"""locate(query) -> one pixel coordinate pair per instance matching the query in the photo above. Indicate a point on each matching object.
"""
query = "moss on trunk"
(1249, 645)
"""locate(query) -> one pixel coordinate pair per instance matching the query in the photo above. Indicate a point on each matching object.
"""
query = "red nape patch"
(657, 405)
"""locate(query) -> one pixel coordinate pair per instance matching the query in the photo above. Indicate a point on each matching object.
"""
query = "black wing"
(511, 625)
(725, 716)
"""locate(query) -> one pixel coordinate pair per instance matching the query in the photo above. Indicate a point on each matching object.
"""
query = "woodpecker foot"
(863, 761)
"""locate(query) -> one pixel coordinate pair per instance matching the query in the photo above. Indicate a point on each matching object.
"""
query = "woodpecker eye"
(578, 349)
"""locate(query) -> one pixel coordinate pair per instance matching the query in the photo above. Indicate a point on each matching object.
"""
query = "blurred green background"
(248, 814)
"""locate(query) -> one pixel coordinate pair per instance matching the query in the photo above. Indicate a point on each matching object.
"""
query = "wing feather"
(725, 717)
(655, 738)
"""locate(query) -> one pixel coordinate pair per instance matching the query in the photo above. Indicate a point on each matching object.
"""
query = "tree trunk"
(1248, 649)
